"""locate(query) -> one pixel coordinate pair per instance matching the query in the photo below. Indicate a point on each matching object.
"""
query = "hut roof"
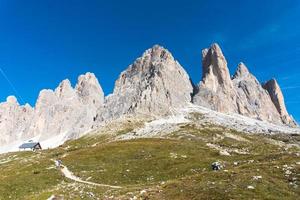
(29, 145)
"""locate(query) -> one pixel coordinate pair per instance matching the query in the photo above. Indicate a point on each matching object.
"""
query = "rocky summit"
(216, 89)
(252, 100)
(14, 120)
(66, 112)
(155, 85)
(242, 94)
(277, 97)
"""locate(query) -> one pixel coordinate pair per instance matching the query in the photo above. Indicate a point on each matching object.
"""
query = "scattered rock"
(224, 153)
(250, 187)
(144, 194)
(52, 197)
(173, 155)
(90, 194)
(256, 178)
(216, 166)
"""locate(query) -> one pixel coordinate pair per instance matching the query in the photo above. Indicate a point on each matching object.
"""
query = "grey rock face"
(14, 120)
(153, 85)
(67, 110)
(277, 97)
(252, 100)
(216, 89)
(89, 90)
(55, 111)
(243, 94)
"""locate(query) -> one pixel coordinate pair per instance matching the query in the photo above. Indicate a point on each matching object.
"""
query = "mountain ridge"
(154, 85)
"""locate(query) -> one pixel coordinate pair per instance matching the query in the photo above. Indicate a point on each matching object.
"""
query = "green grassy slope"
(176, 166)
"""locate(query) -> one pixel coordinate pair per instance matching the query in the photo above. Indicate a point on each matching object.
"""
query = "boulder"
(216, 166)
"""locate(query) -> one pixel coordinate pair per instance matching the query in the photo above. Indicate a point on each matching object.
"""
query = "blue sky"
(44, 42)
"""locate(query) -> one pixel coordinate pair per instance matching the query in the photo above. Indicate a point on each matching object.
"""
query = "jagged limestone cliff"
(277, 97)
(252, 100)
(153, 86)
(243, 94)
(216, 89)
(66, 112)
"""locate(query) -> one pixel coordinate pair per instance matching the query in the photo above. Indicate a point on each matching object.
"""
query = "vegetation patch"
(177, 166)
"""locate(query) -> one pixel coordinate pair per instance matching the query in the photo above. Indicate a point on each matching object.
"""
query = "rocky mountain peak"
(14, 120)
(87, 79)
(153, 85)
(46, 97)
(243, 94)
(213, 61)
(252, 99)
(89, 90)
(241, 71)
(213, 49)
(272, 84)
(64, 89)
(216, 88)
(12, 100)
(215, 72)
(276, 95)
(158, 54)
(27, 106)
(66, 110)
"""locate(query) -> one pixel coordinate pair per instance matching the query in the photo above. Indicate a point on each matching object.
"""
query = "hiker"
(58, 163)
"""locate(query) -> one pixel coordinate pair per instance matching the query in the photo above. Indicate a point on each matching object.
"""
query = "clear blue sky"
(45, 41)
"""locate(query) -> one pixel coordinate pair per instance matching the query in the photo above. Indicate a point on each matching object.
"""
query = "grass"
(28, 174)
(141, 161)
(174, 167)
